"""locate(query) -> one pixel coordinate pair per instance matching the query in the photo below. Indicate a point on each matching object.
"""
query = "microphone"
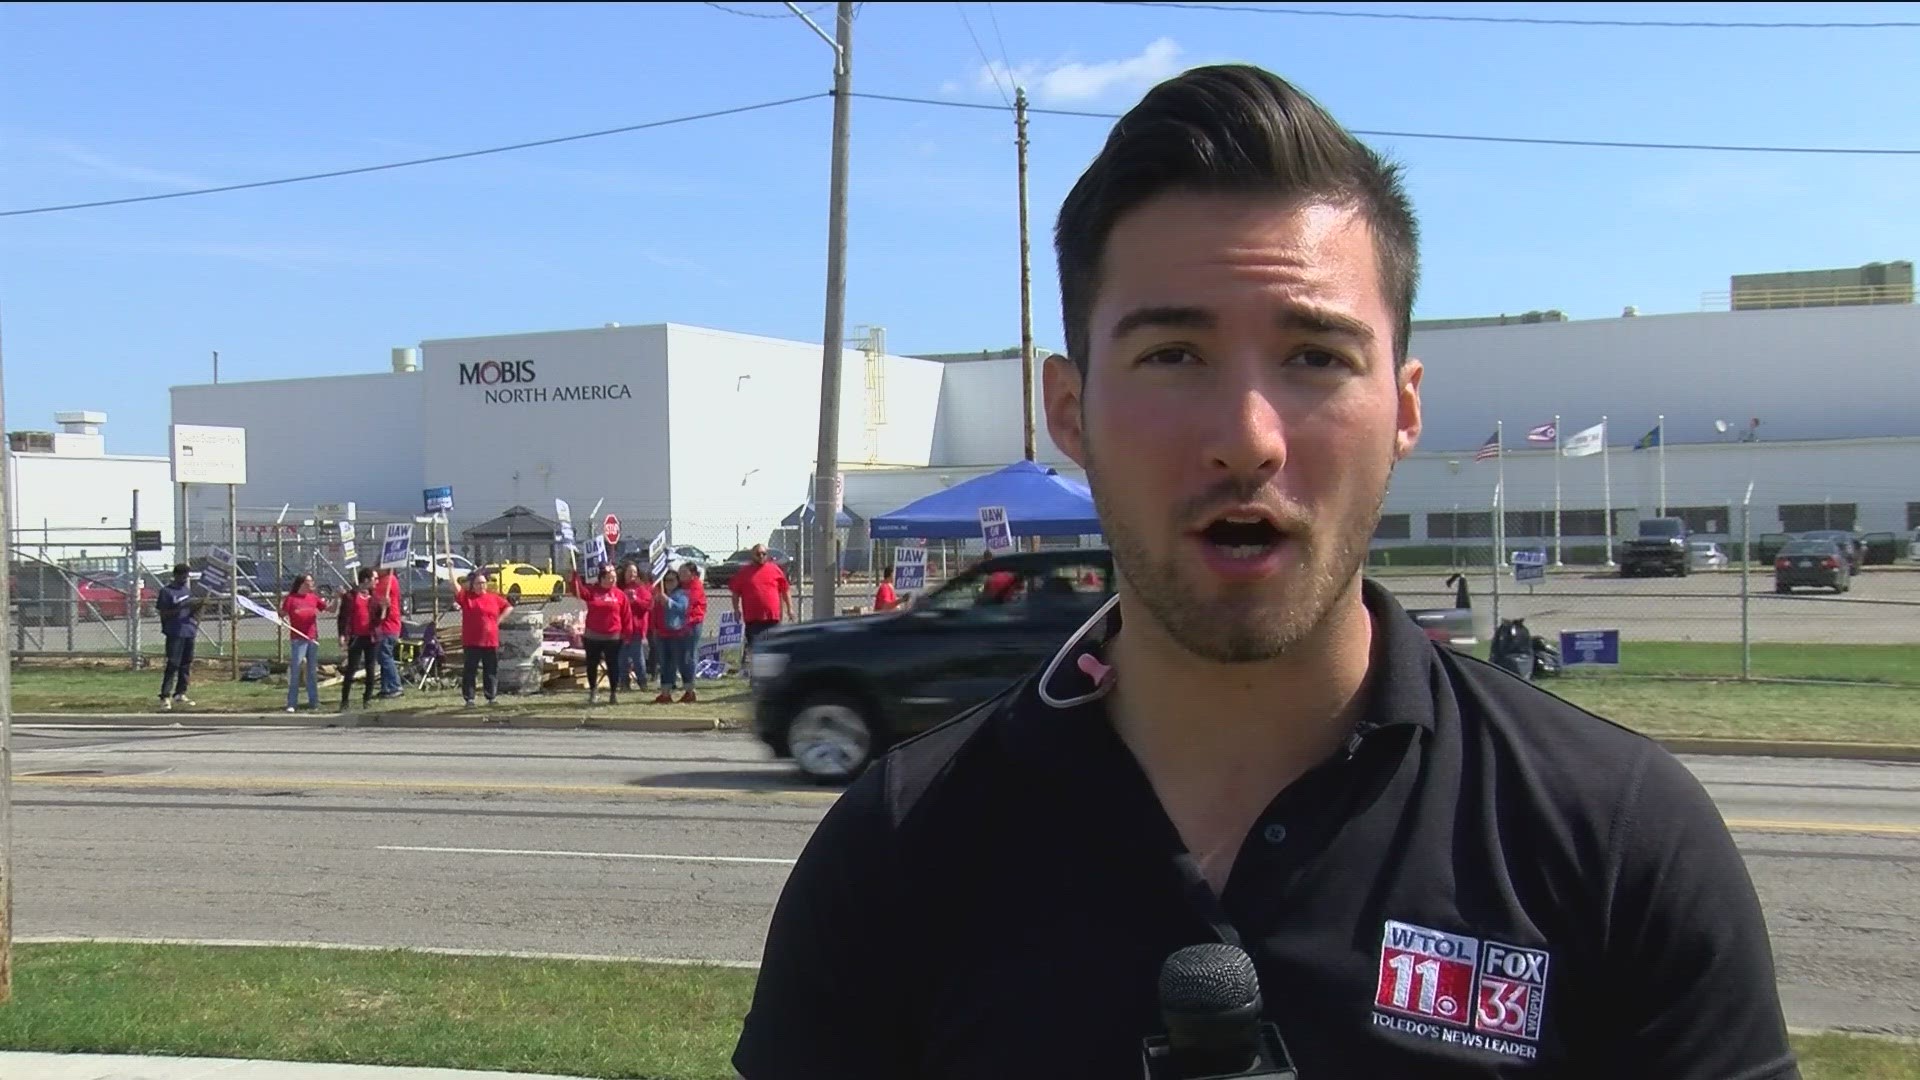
(1210, 1003)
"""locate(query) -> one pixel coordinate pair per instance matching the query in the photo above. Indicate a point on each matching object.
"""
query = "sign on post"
(995, 530)
(438, 500)
(209, 455)
(733, 632)
(909, 569)
(397, 548)
(349, 551)
(595, 557)
(657, 555)
(336, 511)
(146, 540)
(563, 514)
(213, 576)
(1529, 566)
(1589, 648)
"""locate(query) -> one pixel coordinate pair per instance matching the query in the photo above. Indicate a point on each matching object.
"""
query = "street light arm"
(839, 58)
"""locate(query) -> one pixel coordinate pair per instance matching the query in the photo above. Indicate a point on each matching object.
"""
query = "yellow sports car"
(517, 580)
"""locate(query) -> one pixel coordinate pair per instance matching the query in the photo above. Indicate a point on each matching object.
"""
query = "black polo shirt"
(1484, 882)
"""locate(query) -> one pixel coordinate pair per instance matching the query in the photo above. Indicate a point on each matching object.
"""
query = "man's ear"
(1407, 424)
(1063, 388)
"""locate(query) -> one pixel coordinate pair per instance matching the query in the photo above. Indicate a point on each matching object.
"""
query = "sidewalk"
(559, 719)
(27, 1066)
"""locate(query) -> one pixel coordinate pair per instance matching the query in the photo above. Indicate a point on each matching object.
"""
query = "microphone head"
(1209, 980)
(1210, 1004)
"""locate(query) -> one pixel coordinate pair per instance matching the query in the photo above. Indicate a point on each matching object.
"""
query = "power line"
(763, 14)
(420, 161)
(991, 70)
(1613, 144)
(1522, 20)
(1001, 40)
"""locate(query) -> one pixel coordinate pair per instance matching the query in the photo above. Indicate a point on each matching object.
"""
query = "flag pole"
(1556, 491)
(1606, 474)
(1500, 455)
(1660, 428)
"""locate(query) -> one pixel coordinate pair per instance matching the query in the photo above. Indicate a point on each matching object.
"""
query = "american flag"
(1545, 433)
(1490, 448)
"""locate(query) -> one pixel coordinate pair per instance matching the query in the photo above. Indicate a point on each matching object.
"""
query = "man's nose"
(1245, 433)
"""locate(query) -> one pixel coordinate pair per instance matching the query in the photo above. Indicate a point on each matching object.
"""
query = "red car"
(104, 596)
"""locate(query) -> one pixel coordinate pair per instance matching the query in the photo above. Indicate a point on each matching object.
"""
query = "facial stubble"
(1247, 625)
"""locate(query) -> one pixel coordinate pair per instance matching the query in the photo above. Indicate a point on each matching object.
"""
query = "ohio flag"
(1545, 433)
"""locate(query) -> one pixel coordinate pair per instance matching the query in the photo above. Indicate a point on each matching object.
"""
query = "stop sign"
(612, 529)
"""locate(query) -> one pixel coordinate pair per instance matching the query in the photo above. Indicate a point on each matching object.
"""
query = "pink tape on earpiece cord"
(1091, 666)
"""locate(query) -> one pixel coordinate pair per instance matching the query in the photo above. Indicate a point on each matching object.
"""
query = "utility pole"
(6, 740)
(1026, 278)
(216, 367)
(233, 579)
(827, 459)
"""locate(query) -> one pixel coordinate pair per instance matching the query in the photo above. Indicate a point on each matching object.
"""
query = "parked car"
(103, 595)
(1811, 563)
(720, 573)
(834, 695)
(522, 580)
(453, 569)
(1659, 548)
(1707, 555)
(687, 553)
(245, 569)
(1883, 548)
(1853, 545)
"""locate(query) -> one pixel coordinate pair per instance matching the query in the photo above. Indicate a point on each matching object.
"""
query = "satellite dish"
(1720, 426)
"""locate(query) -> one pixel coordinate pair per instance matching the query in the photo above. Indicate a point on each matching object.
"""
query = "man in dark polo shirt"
(1438, 870)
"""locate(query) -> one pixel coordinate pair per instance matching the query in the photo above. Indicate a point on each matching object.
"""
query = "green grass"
(1736, 710)
(396, 1008)
(107, 687)
(1894, 665)
(388, 1008)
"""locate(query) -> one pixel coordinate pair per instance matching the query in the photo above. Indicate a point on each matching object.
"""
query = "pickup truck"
(1661, 548)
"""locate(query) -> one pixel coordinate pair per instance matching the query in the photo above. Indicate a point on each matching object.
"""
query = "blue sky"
(722, 223)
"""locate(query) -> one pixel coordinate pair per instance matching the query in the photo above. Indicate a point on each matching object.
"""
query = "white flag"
(1587, 443)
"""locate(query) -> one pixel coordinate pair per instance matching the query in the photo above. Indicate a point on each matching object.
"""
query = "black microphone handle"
(1158, 1061)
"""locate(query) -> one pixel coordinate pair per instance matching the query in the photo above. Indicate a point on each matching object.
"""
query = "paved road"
(676, 846)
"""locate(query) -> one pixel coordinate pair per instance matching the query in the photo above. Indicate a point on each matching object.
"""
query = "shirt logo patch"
(1461, 990)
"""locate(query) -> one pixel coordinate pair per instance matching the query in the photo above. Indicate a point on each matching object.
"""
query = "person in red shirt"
(762, 595)
(356, 624)
(387, 632)
(301, 608)
(480, 613)
(696, 590)
(632, 662)
(606, 629)
(884, 598)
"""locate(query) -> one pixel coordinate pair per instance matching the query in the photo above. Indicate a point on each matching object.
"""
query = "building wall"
(1878, 476)
(62, 507)
(1821, 373)
(590, 423)
(347, 438)
(745, 421)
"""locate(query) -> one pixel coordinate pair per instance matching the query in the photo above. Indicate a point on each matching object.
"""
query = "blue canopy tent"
(1039, 502)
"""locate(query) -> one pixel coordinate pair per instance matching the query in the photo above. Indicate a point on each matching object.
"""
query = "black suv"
(1663, 547)
(835, 695)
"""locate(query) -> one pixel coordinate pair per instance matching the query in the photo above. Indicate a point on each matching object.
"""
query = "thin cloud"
(132, 174)
(1080, 82)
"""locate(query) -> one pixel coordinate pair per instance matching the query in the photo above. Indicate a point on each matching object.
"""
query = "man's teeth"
(1245, 551)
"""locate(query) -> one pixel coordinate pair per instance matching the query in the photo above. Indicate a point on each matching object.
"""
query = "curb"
(1892, 752)
(397, 721)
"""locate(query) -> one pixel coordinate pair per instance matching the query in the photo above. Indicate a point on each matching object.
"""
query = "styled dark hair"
(1236, 129)
(365, 575)
(182, 570)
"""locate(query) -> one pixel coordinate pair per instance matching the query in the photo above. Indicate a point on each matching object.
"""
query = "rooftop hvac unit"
(405, 360)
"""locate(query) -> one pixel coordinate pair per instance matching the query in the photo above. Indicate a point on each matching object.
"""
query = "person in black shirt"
(1438, 870)
(179, 612)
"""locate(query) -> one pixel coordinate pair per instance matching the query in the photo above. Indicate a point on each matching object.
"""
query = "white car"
(1706, 555)
(448, 568)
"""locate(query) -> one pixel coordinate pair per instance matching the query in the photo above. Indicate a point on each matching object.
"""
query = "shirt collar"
(1401, 687)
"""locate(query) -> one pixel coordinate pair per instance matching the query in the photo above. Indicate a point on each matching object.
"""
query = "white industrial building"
(709, 434)
(712, 434)
(69, 501)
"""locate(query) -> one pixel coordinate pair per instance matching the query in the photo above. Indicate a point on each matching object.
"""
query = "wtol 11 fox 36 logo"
(1495, 990)
(497, 373)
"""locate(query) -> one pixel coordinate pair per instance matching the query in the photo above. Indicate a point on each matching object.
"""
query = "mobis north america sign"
(517, 382)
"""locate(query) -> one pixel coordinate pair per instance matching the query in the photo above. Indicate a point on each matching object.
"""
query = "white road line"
(590, 855)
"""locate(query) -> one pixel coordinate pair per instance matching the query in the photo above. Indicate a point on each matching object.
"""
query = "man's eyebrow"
(1323, 321)
(1311, 320)
(1165, 318)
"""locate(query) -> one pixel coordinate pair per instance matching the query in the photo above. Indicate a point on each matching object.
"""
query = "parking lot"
(1883, 607)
